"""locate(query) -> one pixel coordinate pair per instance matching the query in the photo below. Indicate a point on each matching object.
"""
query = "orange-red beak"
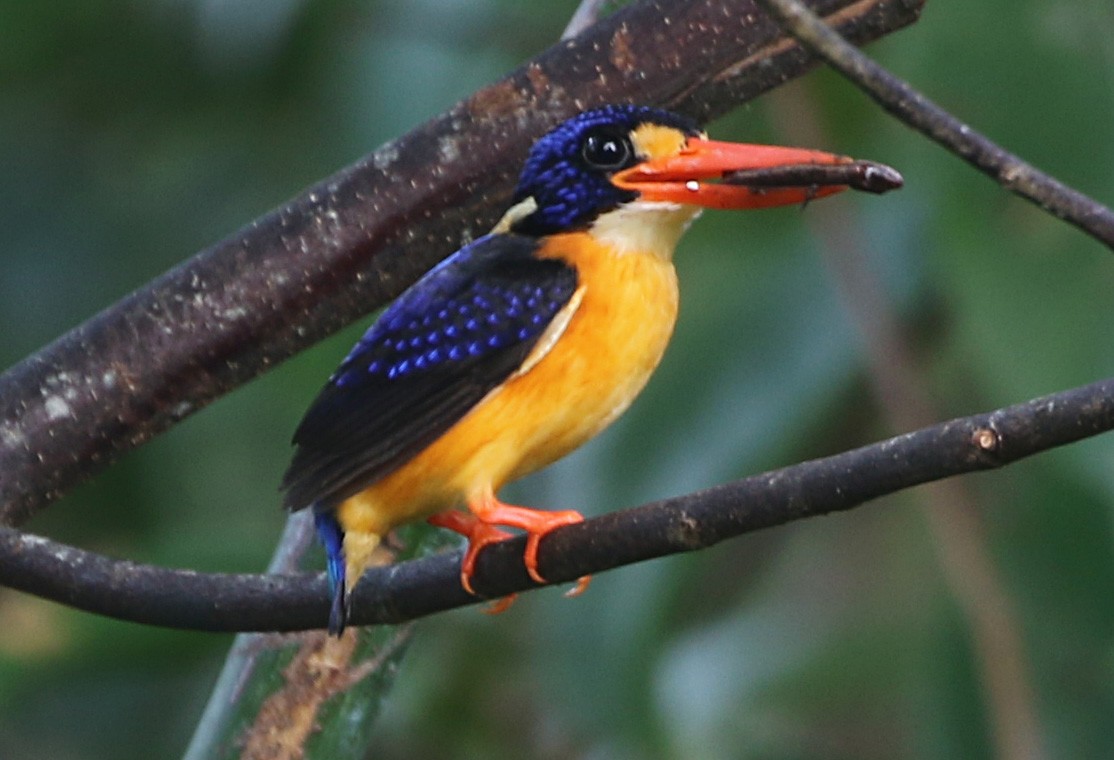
(696, 175)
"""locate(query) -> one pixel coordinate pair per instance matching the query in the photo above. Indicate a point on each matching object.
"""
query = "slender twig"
(346, 245)
(216, 602)
(951, 511)
(242, 657)
(914, 109)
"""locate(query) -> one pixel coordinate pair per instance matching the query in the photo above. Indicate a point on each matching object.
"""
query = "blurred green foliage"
(133, 134)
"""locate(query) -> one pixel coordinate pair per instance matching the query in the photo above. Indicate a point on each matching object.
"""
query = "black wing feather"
(440, 348)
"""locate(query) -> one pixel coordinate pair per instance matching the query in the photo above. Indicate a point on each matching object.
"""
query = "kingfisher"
(526, 342)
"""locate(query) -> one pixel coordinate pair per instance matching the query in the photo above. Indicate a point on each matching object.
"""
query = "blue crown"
(570, 191)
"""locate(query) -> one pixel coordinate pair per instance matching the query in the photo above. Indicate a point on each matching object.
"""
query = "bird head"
(651, 165)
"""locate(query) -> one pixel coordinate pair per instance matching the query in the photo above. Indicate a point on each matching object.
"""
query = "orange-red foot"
(479, 535)
(499, 606)
(581, 586)
(479, 527)
(535, 523)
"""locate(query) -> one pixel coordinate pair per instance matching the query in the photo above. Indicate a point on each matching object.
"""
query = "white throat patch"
(652, 227)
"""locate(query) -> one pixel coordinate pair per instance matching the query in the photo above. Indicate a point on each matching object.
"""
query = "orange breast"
(592, 372)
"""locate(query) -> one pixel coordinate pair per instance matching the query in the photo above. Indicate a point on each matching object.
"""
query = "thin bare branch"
(914, 109)
(950, 508)
(217, 602)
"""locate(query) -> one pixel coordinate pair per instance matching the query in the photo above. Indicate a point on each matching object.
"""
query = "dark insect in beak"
(868, 176)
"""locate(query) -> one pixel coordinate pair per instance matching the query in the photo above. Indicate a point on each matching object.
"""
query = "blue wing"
(455, 335)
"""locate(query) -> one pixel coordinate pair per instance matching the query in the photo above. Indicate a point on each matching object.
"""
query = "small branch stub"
(986, 439)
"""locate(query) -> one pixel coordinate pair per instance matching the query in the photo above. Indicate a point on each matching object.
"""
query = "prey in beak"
(724, 175)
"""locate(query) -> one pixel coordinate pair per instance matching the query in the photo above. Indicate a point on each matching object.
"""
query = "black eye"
(603, 150)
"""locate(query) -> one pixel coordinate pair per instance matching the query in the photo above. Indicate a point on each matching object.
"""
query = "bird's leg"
(479, 535)
(479, 526)
(536, 523)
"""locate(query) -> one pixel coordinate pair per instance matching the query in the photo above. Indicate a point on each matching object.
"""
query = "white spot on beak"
(692, 185)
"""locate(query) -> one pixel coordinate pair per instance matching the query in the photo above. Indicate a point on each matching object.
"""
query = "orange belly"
(593, 371)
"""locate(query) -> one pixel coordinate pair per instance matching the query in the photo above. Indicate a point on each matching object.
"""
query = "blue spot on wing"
(456, 334)
(488, 315)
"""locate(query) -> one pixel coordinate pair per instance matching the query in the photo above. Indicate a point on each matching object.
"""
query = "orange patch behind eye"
(655, 141)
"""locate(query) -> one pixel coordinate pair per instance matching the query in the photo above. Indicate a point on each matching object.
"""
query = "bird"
(526, 342)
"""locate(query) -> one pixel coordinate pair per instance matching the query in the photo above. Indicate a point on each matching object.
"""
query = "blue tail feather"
(331, 536)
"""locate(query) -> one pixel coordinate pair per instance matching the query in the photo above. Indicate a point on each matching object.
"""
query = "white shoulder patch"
(520, 210)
